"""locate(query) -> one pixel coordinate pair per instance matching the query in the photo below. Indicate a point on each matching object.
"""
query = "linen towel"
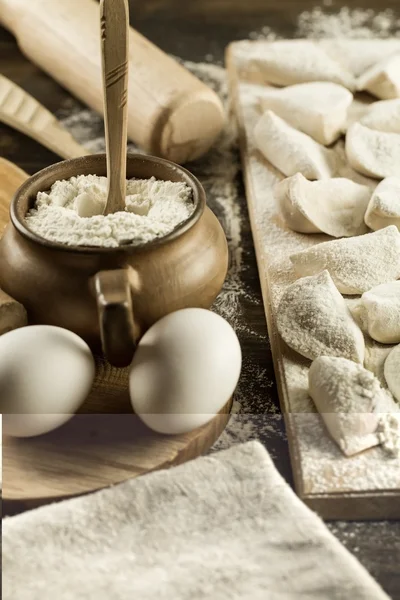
(225, 526)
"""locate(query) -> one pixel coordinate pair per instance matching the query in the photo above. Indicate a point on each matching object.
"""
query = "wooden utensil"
(20, 110)
(114, 44)
(173, 114)
(11, 178)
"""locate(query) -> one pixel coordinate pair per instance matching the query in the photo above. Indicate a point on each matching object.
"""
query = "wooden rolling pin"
(171, 113)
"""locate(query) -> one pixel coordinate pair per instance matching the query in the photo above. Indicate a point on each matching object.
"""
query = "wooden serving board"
(103, 445)
(366, 486)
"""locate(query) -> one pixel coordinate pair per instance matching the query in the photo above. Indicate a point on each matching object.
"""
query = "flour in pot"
(71, 212)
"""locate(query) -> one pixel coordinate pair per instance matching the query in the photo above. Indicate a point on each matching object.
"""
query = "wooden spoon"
(114, 43)
(11, 178)
(23, 112)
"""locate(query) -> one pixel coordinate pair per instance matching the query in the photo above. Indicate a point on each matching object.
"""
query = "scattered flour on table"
(71, 212)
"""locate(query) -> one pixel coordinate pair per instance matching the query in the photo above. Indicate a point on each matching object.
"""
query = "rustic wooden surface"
(192, 31)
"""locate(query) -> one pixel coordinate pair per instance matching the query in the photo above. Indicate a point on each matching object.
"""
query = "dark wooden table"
(194, 30)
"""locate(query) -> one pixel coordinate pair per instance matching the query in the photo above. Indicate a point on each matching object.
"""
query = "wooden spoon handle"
(114, 40)
(20, 110)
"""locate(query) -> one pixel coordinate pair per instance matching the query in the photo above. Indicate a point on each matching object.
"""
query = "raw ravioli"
(335, 206)
(355, 264)
(292, 151)
(314, 320)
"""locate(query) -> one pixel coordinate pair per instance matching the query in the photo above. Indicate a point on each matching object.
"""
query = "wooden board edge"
(275, 342)
(382, 505)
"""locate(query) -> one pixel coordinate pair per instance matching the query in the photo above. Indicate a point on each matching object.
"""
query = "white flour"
(71, 212)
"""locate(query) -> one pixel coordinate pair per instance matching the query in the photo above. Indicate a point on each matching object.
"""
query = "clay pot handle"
(117, 326)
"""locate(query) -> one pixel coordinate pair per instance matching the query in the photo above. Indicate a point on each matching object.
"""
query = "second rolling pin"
(171, 113)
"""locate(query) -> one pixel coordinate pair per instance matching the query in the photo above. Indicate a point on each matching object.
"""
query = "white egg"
(45, 375)
(185, 369)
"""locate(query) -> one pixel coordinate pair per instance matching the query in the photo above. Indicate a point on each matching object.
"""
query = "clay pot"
(112, 295)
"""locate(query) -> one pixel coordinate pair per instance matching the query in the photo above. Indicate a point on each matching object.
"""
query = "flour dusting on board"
(220, 174)
(324, 469)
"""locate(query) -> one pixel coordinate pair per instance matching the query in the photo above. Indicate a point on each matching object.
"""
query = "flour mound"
(335, 206)
(314, 320)
(373, 153)
(383, 79)
(379, 312)
(384, 206)
(286, 63)
(355, 264)
(71, 212)
(352, 403)
(383, 116)
(292, 151)
(318, 109)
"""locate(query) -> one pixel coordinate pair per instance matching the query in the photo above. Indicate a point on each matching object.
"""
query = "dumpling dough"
(289, 62)
(373, 153)
(384, 206)
(392, 372)
(383, 116)
(359, 55)
(352, 404)
(292, 151)
(383, 79)
(335, 206)
(318, 109)
(314, 320)
(355, 264)
(379, 312)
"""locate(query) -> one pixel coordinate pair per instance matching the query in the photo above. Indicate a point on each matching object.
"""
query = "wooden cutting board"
(366, 486)
(103, 445)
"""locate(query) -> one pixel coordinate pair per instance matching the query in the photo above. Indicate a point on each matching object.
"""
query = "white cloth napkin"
(221, 527)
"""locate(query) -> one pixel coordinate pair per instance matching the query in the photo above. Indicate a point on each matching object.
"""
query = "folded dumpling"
(314, 320)
(318, 109)
(333, 206)
(355, 264)
(373, 153)
(383, 116)
(292, 151)
(356, 410)
(382, 79)
(290, 62)
(379, 312)
(384, 206)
